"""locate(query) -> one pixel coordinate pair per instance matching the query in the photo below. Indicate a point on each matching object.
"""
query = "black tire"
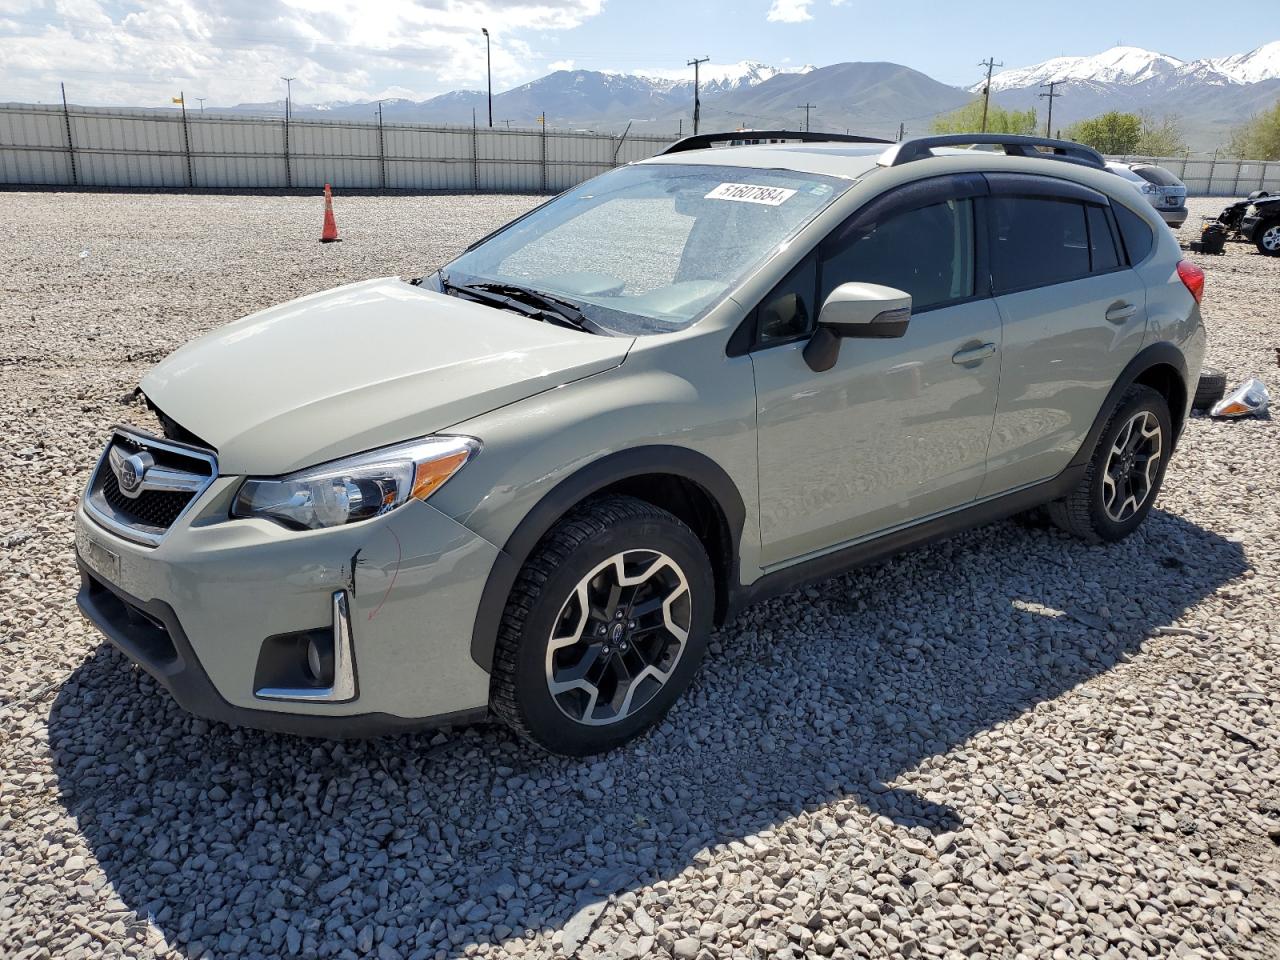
(1083, 512)
(1209, 389)
(1266, 237)
(589, 536)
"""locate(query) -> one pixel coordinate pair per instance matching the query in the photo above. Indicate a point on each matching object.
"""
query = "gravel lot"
(1009, 744)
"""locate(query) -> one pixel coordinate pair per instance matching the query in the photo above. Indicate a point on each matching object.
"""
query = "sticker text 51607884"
(751, 193)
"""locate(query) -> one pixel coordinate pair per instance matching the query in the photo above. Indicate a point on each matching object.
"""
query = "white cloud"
(790, 11)
(234, 51)
(555, 65)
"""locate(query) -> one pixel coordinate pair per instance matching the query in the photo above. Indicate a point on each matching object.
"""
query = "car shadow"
(235, 842)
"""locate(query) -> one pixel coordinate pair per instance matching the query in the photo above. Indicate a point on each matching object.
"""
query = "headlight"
(357, 488)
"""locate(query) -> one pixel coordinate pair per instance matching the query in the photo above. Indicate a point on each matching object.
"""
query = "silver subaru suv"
(531, 484)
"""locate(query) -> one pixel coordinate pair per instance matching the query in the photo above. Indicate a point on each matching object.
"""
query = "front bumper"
(195, 611)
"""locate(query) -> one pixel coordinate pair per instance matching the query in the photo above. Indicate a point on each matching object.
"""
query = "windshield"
(652, 247)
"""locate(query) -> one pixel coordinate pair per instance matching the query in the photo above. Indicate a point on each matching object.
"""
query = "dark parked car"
(1255, 220)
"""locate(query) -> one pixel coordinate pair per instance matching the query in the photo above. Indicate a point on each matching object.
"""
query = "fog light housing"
(314, 666)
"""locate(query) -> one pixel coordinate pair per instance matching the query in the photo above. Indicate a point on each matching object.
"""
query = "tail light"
(1192, 278)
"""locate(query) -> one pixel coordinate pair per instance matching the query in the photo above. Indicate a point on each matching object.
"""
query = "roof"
(831, 159)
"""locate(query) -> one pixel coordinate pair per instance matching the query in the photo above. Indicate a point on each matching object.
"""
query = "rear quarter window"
(1138, 238)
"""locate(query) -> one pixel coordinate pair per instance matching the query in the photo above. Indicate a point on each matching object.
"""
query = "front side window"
(1037, 241)
(650, 248)
(927, 253)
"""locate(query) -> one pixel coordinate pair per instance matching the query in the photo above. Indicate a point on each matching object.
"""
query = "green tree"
(968, 119)
(1259, 139)
(1161, 138)
(1112, 133)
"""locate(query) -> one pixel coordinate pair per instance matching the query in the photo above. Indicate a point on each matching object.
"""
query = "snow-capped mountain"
(716, 78)
(1131, 66)
(1261, 64)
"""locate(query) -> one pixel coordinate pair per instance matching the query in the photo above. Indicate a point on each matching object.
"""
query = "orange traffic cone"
(330, 232)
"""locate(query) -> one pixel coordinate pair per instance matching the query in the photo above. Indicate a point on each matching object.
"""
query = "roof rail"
(1015, 146)
(700, 141)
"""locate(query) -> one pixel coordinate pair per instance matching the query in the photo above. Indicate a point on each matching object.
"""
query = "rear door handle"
(1121, 312)
(974, 354)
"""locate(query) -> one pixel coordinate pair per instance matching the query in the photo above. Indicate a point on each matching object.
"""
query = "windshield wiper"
(532, 303)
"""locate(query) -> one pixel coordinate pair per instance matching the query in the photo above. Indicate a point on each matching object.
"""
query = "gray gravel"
(1009, 744)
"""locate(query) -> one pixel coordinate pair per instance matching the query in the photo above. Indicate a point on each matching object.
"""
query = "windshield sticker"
(749, 193)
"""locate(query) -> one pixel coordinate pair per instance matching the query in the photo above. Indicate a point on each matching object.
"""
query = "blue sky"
(117, 51)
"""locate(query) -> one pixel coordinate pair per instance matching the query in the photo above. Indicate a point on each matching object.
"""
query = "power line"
(697, 106)
(1050, 96)
(806, 107)
(990, 64)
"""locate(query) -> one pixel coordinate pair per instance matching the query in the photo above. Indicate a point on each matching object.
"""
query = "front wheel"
(605, 627)
(1268, 238)
(1123, 477)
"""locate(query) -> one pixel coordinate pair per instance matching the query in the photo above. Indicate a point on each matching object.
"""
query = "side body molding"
(599, 475)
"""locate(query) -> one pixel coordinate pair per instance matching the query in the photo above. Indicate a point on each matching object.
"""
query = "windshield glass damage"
(648, 248)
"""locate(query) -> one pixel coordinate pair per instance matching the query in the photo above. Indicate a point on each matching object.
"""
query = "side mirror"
(856, 310)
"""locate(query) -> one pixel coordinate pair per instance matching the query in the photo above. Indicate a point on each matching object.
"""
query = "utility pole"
(806, 107)
(288, 96)
(201, 101)
(488, 71)
(990, 64)
(288, 108)
(697, 106)
(902, 131)
(382, 151)
(1050, 96)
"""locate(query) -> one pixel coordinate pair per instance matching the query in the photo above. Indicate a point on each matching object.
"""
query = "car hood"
(359, 367)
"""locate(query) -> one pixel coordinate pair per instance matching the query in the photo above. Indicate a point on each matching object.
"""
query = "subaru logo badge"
(132, 471)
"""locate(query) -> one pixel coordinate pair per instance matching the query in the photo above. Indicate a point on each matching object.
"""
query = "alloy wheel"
(1271, 238)
(619, 636)
(1133, 464)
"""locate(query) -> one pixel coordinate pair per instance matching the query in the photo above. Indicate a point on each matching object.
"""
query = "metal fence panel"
(148, 148)
(1218, 177)
(112, 147)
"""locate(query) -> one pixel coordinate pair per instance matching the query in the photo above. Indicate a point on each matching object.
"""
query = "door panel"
(1066, 339)
(1061, 355)
(894, 432)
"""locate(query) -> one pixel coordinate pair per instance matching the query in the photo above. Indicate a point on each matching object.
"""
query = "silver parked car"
(1162, 189)
(530, 484)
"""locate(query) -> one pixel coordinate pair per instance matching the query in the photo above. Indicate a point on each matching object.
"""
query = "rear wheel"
(1267, 238)
(1123, 478)
(605, 627)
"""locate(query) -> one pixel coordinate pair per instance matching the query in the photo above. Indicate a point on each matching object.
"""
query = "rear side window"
(927, 253)
(1102, 242)
(1037, 241)
(1138, 238)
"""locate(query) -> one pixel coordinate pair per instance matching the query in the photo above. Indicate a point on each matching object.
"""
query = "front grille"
(155, 509)
(172, 476)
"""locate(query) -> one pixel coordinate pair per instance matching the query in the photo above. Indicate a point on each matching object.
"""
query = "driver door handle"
(974, 354)
(1121, 312)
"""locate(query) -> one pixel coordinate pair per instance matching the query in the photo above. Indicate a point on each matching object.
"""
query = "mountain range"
(1210, 97)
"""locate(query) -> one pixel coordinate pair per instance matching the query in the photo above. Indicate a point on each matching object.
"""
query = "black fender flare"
(598, 475)
(1163, 353)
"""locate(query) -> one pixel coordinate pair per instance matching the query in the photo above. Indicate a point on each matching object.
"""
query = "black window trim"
(915, 195)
